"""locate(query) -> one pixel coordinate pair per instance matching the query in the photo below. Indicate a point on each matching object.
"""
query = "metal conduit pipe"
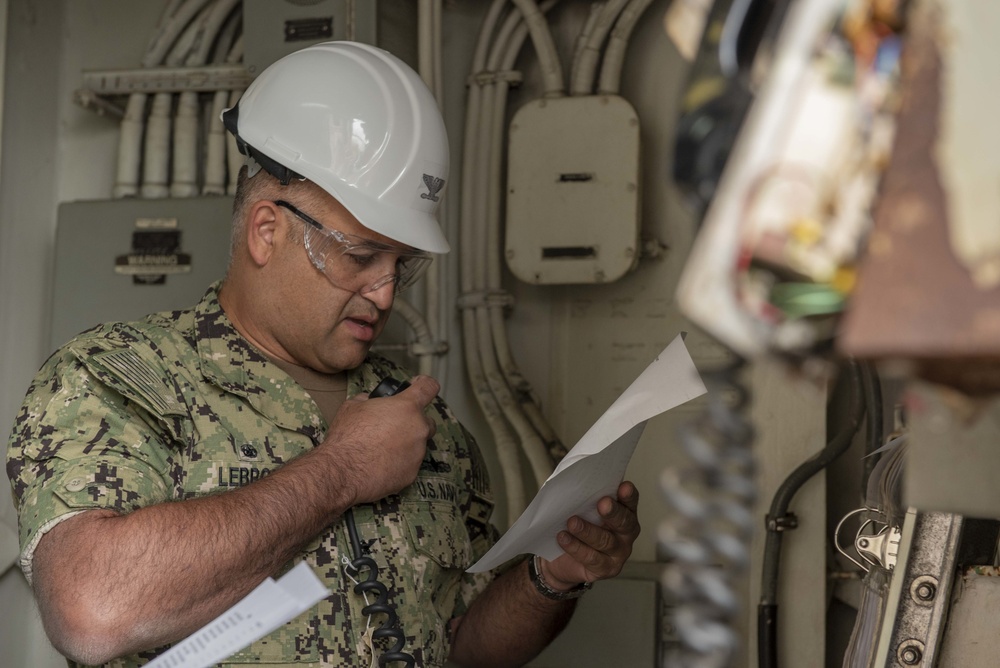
(429, 50)
(183, 182)
(585, 65)
(132, 126)
(492, 330)
(169, 30)
(581, 40)
(409, 313)
(614, 53)
(215, 133)
(130, 145)
(156, 150)
(480, 313)
(528, 403)
(545, 47)
(503, 438)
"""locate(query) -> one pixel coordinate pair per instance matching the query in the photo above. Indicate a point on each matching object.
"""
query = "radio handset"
(390, 627)
(388, 387)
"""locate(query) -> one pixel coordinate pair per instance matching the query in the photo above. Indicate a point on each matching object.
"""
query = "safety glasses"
(358, 264)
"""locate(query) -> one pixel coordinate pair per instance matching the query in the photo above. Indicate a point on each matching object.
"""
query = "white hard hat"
(358, 122)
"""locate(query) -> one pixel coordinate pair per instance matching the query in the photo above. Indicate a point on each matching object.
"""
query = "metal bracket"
(921, 589)
(109, 83)
(881, 548)
(167, 79)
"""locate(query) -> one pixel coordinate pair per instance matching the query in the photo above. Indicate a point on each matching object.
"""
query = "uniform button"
(76, 484)
(248, 450)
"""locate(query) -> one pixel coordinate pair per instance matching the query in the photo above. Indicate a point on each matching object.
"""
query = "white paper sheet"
(261, 611)
(596, 465)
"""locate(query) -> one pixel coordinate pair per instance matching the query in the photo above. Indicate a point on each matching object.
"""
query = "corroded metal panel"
(916, 298)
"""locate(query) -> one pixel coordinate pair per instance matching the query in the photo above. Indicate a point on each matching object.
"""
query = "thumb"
(422, 390)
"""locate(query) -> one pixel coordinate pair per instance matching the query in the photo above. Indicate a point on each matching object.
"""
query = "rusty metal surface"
(915, 300)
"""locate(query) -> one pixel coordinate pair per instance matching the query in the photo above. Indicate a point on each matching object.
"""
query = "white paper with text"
(267, 607)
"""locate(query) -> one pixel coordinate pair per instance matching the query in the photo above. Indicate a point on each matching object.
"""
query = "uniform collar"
(229, 361)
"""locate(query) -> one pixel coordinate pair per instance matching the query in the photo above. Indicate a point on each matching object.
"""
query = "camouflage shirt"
(178, 406)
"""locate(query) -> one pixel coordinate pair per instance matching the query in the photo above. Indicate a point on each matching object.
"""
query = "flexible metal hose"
(707, 538)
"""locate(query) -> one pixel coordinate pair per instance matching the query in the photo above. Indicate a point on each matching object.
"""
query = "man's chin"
(345, 357)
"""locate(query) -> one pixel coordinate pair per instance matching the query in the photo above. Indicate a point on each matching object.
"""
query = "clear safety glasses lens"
(359, 264)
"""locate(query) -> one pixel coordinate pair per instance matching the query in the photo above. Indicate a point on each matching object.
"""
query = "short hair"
(263, 186)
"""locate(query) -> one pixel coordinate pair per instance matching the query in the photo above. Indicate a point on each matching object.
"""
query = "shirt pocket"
(437, 530)
(441, 552)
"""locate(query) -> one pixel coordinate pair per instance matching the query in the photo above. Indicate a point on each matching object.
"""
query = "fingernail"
(563, 538)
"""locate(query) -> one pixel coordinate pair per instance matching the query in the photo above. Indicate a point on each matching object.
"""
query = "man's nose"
(382, 296)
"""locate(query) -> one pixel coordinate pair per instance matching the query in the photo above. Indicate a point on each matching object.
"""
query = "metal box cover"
(109, 255)
(573, 190)
(273, 29)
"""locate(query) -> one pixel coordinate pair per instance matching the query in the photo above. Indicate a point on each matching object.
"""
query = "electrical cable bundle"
(505, 396)
(164, 131)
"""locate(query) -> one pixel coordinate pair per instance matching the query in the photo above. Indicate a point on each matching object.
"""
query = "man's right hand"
(377, 445)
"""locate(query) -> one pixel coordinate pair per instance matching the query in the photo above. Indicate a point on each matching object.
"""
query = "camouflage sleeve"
(482, 533)
(79, 444)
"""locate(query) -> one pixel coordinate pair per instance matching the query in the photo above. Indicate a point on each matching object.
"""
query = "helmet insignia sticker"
(434, 185)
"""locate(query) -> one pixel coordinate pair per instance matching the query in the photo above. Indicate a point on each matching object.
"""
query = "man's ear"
(262, 224)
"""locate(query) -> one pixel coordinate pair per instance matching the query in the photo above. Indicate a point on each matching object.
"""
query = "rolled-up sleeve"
(78, 444)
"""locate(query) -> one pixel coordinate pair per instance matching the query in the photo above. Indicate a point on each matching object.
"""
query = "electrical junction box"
(122, 259)
(573, 190)
(273, 29)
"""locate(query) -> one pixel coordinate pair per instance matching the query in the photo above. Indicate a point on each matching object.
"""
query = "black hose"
(767, 635)
(778, 519)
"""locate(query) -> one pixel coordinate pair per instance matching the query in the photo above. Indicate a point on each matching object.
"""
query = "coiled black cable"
(390, 627)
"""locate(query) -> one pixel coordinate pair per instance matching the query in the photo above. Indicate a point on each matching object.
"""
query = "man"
(163, 468)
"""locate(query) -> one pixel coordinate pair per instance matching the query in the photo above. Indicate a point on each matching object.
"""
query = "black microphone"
(388, 387)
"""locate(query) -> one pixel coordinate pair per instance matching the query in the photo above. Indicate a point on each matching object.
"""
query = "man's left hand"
(596, 552)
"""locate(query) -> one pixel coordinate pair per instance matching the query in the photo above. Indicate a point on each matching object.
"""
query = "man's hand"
(378, 445)
(596, 552)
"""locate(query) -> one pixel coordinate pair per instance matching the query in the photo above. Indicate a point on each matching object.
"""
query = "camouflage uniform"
(178, 406)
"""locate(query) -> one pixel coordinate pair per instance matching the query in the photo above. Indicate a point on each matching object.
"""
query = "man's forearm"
(509, 623)
(111, 584)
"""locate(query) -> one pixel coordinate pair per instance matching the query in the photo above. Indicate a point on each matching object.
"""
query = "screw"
(863, 542)
(911, 656)
(926, 591)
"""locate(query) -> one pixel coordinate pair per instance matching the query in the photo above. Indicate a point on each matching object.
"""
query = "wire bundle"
(505, 396)
(158, 147)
